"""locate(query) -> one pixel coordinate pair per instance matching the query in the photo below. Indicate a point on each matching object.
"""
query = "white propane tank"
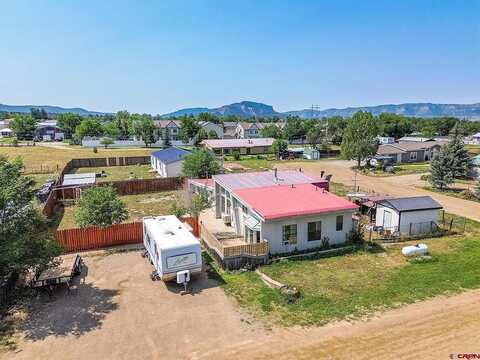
(415, 250)
(183, 277)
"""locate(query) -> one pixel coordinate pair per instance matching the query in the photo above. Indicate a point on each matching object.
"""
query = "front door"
(387, 219)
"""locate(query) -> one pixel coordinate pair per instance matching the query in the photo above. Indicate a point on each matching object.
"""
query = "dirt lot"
(404, 185)
(119, 313)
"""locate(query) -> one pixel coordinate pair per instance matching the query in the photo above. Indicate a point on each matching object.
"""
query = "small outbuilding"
(168, 162)
(411, 215)
(311, 154)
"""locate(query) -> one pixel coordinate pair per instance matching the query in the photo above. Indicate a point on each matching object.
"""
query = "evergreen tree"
(440, 169)
(461, 162)
(166, 139)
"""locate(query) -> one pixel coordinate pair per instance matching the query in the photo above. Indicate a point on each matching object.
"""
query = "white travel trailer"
(171, 248)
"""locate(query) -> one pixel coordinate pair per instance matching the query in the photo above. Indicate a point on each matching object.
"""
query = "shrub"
(95, 150)
(325, 243)
(355, 236)
(468, 194)
(236, 155)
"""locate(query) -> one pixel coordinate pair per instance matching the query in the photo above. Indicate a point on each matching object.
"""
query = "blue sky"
(159, 56)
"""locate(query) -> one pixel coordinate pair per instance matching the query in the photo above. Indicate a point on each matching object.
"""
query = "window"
(314, 231)
(413, 156)
(339, 222)
(290, 234)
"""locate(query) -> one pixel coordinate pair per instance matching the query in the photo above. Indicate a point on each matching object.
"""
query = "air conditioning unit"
(227, 219)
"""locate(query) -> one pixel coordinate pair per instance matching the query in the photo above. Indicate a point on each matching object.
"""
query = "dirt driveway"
(119, 313)
(404, 185)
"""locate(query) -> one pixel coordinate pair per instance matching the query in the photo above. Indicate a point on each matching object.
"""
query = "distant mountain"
(48, 108)
(255, 109)
(242, 109)
(469, 111)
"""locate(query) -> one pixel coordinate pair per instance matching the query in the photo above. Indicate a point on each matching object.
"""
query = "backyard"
(156, 203)
(402, 169)
(357, 284)
(116, 173)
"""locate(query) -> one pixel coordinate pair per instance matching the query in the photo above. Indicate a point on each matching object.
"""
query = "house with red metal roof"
(289, 209)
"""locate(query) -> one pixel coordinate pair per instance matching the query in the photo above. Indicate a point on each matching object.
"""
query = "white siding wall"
(174, 169)
(272, 231)
(380, 216)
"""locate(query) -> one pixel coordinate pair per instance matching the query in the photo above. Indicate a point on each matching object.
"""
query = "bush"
(95, 150)
(468, 194)
(236, 155)
(356, 236)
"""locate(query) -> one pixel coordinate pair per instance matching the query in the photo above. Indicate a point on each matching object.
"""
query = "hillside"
(48, 108)
(254, 109)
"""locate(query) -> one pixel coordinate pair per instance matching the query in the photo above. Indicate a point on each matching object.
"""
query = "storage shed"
(412, 215)
(311, 154)
(168, 162)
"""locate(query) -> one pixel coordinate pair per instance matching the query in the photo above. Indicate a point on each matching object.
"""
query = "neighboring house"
(419, 138)
(47, 130)
(172, 126)
(408, 152)
(475, 171)
(209, 126)
(413, 215)
(246, 130)
(243, 146)
(195, 186)
(289, 209)
(5, 132)
(385, 140)
(229, 129)
(475, 139)
(168, 162)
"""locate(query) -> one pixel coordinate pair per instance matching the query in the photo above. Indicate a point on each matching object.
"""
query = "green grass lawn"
(115, 173)
(357, 284)
(339, 189)
(157, 203)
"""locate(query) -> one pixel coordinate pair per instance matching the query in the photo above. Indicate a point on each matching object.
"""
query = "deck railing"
(258, 249)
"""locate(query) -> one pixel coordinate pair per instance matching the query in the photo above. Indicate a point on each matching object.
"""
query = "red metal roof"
(279, 201)
(204, 182)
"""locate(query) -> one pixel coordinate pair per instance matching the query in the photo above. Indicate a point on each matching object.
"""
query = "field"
(357, 284)
(138, 206)
(115, 173)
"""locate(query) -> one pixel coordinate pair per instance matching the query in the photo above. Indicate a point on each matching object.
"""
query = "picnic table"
(68, 266)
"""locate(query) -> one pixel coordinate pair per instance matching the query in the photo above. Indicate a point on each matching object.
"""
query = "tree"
(360, 137)
(24, 126)
(201, 163)
(294, 128)
(314, 135)
(201, 135)
(89, 127)
(279, 146)
(335, 128)
(106, 141)
(68, 122)
(461, 162)
(477, 190)
(25, 240)
(100, 206)
(212, 134)
(440, 169)
(144, 128)
(190, 128)
(38, 114)
(123, 122)
(204, 116)
(199, 202)
(271, 131)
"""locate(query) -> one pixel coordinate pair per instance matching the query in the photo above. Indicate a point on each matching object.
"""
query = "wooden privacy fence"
(110, 161)
(193, 222)
(96, 237)
(141, 186)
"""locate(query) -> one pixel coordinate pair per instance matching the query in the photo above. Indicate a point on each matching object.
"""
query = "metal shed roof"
(170, 155)
(264, 178)
(79, 179)
(411, 203)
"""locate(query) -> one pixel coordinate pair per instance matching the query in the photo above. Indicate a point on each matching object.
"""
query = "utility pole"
(317, 108)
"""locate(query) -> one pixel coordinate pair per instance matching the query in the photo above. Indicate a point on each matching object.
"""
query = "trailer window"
(178, 261)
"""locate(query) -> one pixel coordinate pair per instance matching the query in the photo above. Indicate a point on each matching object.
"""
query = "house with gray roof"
(408, 215)
(408, 152)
